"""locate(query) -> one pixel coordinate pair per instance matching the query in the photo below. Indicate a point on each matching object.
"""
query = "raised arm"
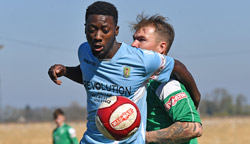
(58, 70)
(178, 132)
(185, 77)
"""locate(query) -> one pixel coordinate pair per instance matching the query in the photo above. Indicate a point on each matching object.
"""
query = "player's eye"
(141, 39)
(91, 30)
(105, 30)
(138, 39)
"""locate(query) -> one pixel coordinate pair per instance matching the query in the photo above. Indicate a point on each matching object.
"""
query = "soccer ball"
(118, 118)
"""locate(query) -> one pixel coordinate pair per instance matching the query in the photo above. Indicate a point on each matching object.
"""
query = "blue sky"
(212, 40)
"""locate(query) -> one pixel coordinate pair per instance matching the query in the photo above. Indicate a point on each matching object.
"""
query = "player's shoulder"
(172, 86)
(169, 87)
(138, 51)
(84, 46)
(55, 129)
(67, 126)
(71, 130)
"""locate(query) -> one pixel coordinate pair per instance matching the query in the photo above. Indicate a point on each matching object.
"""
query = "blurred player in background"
(63, 133)
(109, 68)
(172, 116)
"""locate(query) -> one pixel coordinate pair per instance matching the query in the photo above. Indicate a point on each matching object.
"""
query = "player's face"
(59, 120)
(145, 38)
(101, 32)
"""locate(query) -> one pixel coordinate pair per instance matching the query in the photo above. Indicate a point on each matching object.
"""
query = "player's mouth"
(97, 47)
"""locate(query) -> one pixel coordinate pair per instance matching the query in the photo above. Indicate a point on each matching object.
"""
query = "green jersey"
(64, 135)
(168, 103)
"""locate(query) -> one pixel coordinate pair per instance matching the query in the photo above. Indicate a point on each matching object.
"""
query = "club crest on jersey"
(126, 71)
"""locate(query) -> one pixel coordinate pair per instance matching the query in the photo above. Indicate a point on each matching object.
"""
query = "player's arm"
(74, 140)
(185, 77)
(58, 70)
(178, 132)
(180, 107)
(72, 134)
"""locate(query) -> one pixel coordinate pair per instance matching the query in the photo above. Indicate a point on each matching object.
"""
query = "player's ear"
(117, 30)
(163, 47)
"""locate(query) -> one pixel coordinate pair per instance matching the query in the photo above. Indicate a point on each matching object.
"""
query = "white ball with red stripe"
(118, 118)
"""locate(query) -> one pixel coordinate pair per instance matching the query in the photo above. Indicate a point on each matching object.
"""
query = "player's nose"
(135, 44)
(98, 36)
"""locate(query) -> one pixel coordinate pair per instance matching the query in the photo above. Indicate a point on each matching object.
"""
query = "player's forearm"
(177, 133)
(74, 73)
(185, 77)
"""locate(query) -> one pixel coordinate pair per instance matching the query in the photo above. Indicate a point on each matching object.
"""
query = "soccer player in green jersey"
(172, 115)
(63, 133)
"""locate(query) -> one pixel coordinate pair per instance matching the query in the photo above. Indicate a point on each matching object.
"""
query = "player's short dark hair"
(102, 8)
(57, 112)
(164, 30)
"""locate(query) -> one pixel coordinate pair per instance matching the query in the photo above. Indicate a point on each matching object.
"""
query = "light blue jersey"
(126, 74)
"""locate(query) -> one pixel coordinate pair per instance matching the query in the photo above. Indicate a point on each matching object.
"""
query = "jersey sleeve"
(72, 134)
(177, 102)
(159, 67)
(165, 70)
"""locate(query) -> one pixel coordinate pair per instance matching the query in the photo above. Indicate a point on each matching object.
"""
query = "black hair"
(102, 8)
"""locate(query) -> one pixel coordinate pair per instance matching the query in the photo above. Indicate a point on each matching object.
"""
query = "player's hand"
(56, 71)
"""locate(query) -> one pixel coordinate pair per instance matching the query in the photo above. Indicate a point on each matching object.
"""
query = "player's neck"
(113, 50)
(60, 125)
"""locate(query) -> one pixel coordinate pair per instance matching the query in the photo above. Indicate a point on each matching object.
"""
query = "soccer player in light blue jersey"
(109, 68)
